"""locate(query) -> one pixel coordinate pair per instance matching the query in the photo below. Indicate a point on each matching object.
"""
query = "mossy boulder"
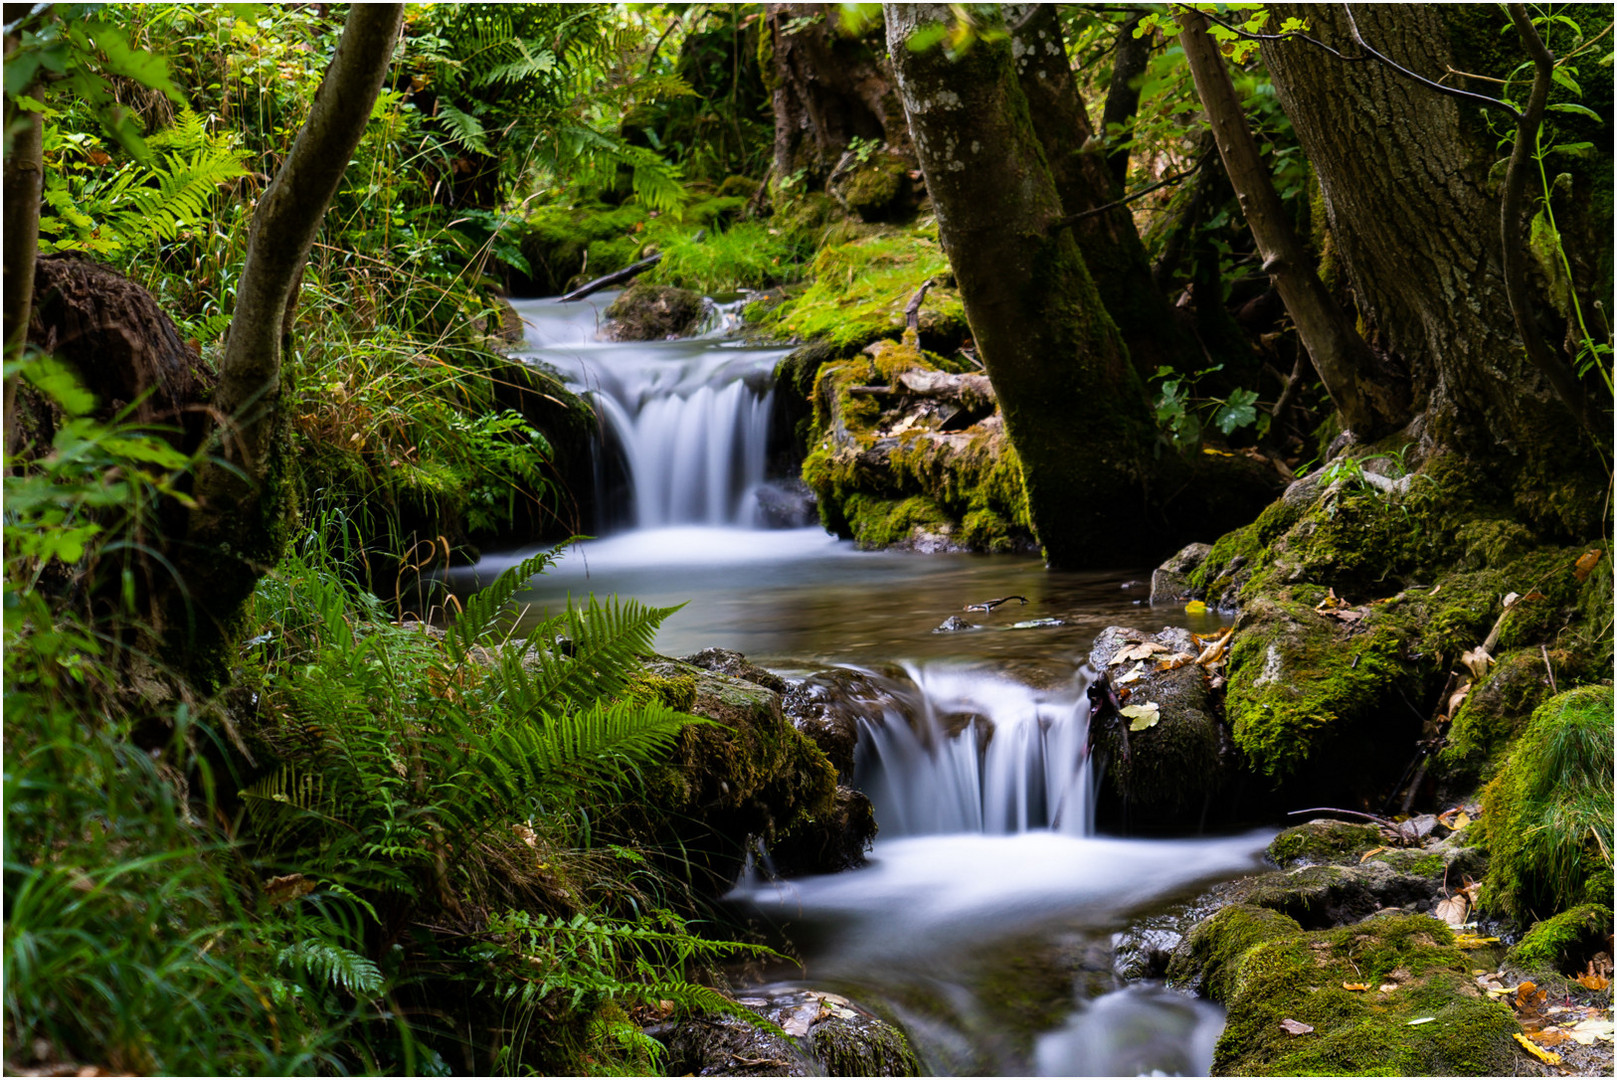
(1547, 816)
(1208, 959)
(749, 774)
(1170, 582)
(649, 312)
(819, 1033)
(1422, 1014)
(876, 189)
(1322, 842)
(831, 842)
(1563, 944)
(1168, 775)
(828, 705)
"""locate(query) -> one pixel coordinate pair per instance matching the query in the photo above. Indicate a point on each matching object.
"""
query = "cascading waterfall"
(976, 753)
(691, 417)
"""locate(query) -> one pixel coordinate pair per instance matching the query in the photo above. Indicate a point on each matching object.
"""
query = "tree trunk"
(827, 89)
(1073, 404)
(1370, 401)
(23, 180)
(1129, 60)
(1414, 224)
(1109, 242)
(239, 529)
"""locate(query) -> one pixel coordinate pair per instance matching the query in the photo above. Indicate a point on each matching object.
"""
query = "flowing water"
(984, 918)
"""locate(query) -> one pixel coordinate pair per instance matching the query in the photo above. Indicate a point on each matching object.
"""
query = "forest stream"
(988, 888)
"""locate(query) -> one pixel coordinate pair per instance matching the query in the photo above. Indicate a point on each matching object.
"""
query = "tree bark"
(1369, 399)
(23, 182)
(1413, 226)
(1109, 242)
(827, 89)
(1129, 60)
(1073, 404)
(239, 529)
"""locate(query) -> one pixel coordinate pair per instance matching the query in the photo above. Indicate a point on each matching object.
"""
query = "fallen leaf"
(1142, 716)
(1586, 563)
(1472, 941)
(1372, 851)
(288, 887)
(1593, 982)
(1477, 661)
(1356, 987)
(1453, 910)
(1196, 607)
(1135, 672)
(1422, 1020)
(1332, 602)
(1549, 1037)
(1585, 1032)
(1387, 988)
(1511, 598)
(1296, 1027)
(1177, 660)
(1142, 651)
(1461, 821)
(1531, 1047)
(1457, 698)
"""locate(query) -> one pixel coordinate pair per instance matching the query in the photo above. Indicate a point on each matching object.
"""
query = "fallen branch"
(912, 313)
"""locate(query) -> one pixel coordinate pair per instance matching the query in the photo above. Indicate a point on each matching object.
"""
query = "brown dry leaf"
(1453, 910)
(288, 887)
(1533, 1048)
(1593, 982)
(1477, 660)
(1456, 699)
(1387, 988)
(1549, 1037)
(1356, 987)
(1372, 851)
(1177, 660)
(1296, 1027)
(1142, 651)
(1585, 564)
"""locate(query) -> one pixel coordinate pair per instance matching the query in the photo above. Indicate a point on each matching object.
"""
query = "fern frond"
(478, 615)
(594, 748)
(184, 186)
(334, 964)
(466, 128)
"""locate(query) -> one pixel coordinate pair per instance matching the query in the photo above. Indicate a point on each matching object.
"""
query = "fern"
(335, 965)
(466, 128)
(480, 611)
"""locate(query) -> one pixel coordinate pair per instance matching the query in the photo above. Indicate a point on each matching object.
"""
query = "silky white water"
(986, 881)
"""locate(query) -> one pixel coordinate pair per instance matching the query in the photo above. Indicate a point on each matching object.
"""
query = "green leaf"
(61, 384)
(1236, 412)
(1576, 109)
(1566, 81)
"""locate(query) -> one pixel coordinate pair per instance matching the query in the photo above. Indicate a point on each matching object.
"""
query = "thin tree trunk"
(1109, 242)
(1129, 60)
(1371, 406)
(1073, 404)
(239, 529)
(24, 179)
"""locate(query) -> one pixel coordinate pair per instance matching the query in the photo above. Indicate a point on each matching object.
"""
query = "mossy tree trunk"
(827, 88)
(1413, 209)
(238, 529)
(1073, 404)
(1108, 240)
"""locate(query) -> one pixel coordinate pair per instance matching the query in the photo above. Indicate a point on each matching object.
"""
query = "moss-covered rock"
(828, 706)
(1323, 842)
(820, 1033)
(1564, 943)
(875, 189)
(1547, 816)
(828, 843)
(1208, 959)
(1413, 972)
(648, 312)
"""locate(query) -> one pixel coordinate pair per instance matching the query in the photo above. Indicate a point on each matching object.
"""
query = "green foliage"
(1547, 816)
(1564, 942)
(1183, 415)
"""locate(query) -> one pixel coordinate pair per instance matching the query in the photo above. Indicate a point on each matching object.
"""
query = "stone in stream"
(647, 312)
(1170, 582)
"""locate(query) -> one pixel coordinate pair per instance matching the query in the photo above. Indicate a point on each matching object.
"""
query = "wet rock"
(1174, 770)
(1143, 950)
(1322, 841)
(952, 624)
(502, 325)
(1170, 582)
(826, 1034)
(837, 840)
(786, 504)
(647, 312)
(734, 664)
(828, 705)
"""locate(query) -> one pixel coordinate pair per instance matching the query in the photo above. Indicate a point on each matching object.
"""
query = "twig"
(1545, 652)
(1351, 813)
(1071, 219)
(912, 313)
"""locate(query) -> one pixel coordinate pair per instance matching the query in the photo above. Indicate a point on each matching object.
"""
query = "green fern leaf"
(334, 964)
(475, 619)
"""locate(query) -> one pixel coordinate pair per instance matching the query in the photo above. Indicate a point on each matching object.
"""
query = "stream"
(984, 919)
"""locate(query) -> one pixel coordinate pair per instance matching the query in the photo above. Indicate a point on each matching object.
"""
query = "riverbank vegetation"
(273, 808)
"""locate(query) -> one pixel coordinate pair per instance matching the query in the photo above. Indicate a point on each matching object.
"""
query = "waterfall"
(689, 417)
(965, 751)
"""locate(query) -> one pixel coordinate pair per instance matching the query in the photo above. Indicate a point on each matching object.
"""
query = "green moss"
(1495, 711)
(1563, 943)
(880, 523)
(747, 255)
(861, 288)
(1300, 977)
(1323, 842)
(873, 190)
(862, 1048)
(1547, 816)
(1211, 954)
(674, 691)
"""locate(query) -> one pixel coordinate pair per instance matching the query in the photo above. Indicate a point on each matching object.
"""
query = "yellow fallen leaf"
(1546, 1056)
(1461, 820)
(1586, 563)
(1135, 673)
(1593, 982)
(1586, 1032)
(1372, 851)
(1472, 941)
(1141, 716)
(1196, 607)
(1356, 987)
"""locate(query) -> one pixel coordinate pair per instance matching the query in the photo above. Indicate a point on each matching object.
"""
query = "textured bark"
(1129, 60)
(1073, 405)
(1372, 401)
(239, 529)
(827, 89)
(1413, 224)
(1109, 242)
(23, 180)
